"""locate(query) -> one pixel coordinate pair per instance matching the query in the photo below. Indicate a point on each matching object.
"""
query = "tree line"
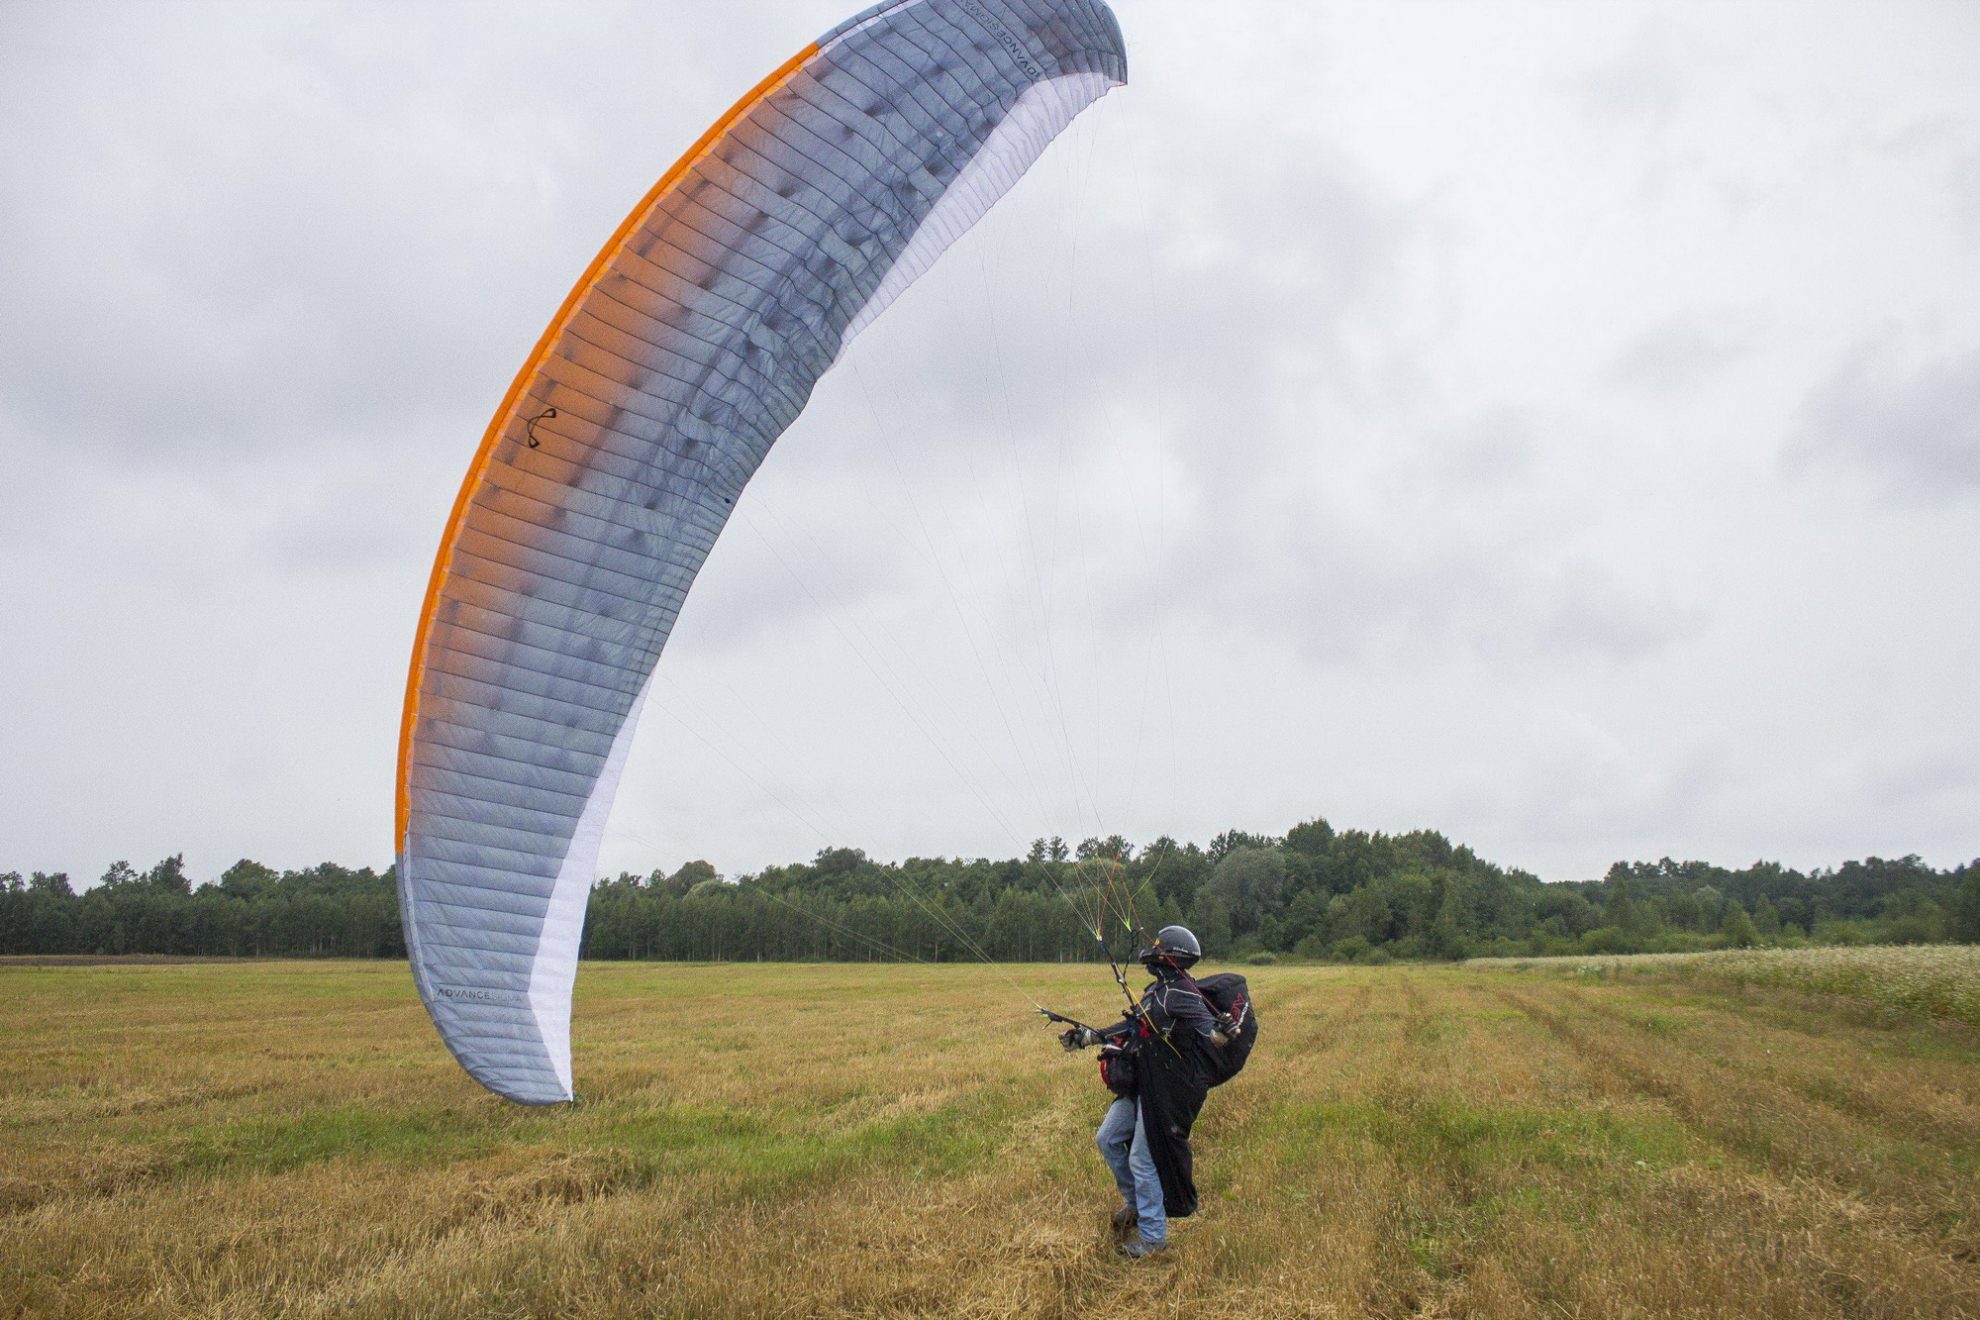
(1312, 893)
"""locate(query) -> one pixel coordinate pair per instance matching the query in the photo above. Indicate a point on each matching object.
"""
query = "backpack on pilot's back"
(1228, 994)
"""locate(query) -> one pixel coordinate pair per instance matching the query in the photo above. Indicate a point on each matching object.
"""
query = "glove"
(1078, 1038)
(1227, 1024)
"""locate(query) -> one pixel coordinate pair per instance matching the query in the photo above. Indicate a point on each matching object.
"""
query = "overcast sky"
(1555, 424)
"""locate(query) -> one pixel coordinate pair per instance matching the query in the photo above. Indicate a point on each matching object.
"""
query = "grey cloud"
(1456, 543)
(337, 523)
(1366, 586)
(1642, 80)
(1944, 141)
(336, 220)
(1678, 355)
(1444, 465)
(1272, 333)
(1260, 273)
(1580, 609)
(1943, 772)
(1964, 183)
(1915, 428)
(1589, 791)
(797, 569)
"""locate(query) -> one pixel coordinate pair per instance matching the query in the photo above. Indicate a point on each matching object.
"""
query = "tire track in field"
(1302, 1144)
(1777, 1134)
(1817, 1100)
(131, 1104)
(1863, 1018)
(1872, 1154)
(1312, 1036)
(1427, 1126)
(1780, 1064)
(1325, 1027)
(1616, 1071)
(1244, 1117)
(1412, 996)
(219, 1033)
(1287, 1033)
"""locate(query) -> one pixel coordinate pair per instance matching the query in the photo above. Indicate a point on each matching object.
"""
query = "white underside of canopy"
(553, 971)
(1041, 114)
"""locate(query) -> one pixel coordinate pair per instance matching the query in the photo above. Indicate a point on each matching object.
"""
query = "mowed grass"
(289, 1139)
(1892, 981)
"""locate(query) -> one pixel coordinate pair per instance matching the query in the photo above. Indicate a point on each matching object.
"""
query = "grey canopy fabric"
(693, 340)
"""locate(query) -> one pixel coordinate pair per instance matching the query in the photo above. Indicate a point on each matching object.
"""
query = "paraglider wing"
(689, 345)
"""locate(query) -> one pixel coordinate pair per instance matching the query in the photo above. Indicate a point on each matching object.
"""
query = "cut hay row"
(1940, 981)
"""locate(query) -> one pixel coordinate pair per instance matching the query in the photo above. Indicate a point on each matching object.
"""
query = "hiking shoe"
(1140, 1248)
(1125, 1219)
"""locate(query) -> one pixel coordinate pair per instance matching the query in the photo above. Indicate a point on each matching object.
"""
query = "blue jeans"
(1124, 1145)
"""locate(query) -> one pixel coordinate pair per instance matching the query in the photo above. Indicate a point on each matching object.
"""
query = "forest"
(1312, 894)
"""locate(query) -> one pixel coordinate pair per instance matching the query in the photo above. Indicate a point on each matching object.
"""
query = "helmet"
(1173, 945)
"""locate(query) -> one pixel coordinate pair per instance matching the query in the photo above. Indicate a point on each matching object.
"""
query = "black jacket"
(1175, 1067)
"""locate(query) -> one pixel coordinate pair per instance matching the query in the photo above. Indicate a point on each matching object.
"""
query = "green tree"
(1113, 848)
(1447, 937)
(1711, 907)
(1364, 912)
(1561, 913)
(118, 875)
(1966, 908)
(1620, 908)
(1210, 922)
(247, 880)
(1304, 916)
(56, 885)
(1681, 912)
(40, 915)
(1352, 949)
(1311, 838)
(169, 876)
(830, 861)
(1249, 882)
(694, 874)
(13, 913)
(1231, 840)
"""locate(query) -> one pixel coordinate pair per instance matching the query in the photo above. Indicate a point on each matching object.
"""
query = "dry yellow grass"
(290, 1140)
(1930, 980)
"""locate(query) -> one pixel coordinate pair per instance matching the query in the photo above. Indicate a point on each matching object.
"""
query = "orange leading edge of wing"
(403, 818)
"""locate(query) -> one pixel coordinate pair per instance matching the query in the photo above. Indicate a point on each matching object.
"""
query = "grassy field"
(289, 1139)
(1891, 982)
